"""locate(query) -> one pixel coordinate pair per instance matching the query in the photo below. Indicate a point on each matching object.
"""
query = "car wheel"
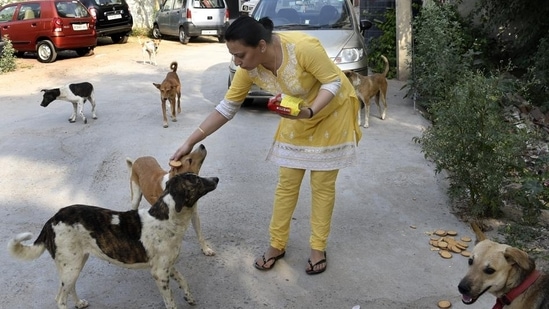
(46, 51)
(82, 51)
(183, 38)
(156, 32)
(119, 38)
(221, 38)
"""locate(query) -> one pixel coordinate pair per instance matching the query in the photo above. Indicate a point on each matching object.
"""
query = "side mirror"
(365, 24)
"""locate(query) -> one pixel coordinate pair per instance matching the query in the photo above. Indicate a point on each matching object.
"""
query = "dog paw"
(189, 298)
(82, 304)
(165, 125)
(208, 251)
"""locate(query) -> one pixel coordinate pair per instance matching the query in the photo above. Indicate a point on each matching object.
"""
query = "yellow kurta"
(327, 141)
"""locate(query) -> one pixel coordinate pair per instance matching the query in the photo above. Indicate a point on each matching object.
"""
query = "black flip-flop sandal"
(312, 270)
(274, 259)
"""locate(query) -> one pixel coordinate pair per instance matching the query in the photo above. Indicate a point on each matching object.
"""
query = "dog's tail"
(25, 252)
(173, 66)
(480, 236)
(386, 65)
(129, 163)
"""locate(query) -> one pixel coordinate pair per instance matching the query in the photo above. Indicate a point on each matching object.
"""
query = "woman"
(321, 138)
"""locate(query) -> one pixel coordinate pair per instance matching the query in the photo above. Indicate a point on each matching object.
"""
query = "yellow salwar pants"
(322, 206)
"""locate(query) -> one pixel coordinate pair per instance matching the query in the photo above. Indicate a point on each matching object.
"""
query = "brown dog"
(148, 179)
(506, 272)
(169, 89)
(367, 87)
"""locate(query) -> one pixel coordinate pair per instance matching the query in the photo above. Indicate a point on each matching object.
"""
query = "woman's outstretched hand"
(181, 151)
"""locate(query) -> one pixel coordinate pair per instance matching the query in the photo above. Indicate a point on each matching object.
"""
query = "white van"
(189, 19)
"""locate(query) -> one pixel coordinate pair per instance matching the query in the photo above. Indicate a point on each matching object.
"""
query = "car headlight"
(348, 55)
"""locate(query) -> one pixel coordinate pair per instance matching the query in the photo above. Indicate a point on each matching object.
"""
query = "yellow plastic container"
(293, 103)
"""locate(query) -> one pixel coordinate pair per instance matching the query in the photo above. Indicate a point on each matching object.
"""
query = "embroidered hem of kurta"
(313, 158)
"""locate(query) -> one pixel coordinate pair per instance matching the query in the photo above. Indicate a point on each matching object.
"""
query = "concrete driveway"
(378, 256)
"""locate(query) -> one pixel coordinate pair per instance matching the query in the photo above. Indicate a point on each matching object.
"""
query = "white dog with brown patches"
(145, 238)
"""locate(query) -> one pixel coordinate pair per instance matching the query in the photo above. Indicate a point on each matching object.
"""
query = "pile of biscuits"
(446, 243)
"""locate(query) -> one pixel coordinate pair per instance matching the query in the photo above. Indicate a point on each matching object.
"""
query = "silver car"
(188, 19)
(333, 22)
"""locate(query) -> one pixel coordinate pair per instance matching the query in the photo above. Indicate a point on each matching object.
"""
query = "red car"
(47, 27)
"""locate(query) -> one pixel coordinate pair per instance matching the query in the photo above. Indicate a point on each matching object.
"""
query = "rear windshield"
(209, 4)
(71, 9)
(108, 2)
(319, 14)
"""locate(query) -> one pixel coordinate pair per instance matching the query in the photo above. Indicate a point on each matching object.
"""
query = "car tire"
(221, 38)
(156, 32)
(82, 51)
(45, 51)
(183, 37)
(119, 38)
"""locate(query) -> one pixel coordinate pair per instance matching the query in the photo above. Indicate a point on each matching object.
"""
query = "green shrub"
(438, 53)
(7, 58)
(384, 45)
(471, 140)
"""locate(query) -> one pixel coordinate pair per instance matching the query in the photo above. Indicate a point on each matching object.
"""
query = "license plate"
(114, 16)
(79, 27)
(208, 32)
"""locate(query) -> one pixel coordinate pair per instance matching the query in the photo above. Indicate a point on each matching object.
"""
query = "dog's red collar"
(506, 299)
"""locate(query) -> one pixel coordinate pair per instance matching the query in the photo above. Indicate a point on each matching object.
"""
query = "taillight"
(93, 12)
(226, 15)
(189, 15)
(57, 24)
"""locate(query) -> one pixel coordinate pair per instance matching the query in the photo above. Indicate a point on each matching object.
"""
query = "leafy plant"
(384, 45)
(472, 142)
(7, 56)
(437, 54)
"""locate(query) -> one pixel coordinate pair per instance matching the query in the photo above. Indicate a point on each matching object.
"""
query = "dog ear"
(157, 85)
(518, 257)
(43, 90)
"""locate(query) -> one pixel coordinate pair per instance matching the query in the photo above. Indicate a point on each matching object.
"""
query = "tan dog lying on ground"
(370, 86)
(506, 272)
(148, 179)
(145, 238)
(169, 89)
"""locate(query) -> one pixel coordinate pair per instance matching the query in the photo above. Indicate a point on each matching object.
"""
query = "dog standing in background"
(170, 88)
(77, 94)
(367, 87)
(149, 48)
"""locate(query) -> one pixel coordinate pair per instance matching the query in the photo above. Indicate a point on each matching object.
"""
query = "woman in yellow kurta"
(321, 138)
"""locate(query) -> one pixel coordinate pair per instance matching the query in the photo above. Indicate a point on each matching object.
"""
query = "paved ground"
(378, 255)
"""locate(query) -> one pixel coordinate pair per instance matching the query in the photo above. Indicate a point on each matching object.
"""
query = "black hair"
(250, 31)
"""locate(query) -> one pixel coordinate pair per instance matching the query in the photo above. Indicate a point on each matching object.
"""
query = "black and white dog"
(144, 238)
(77, 94)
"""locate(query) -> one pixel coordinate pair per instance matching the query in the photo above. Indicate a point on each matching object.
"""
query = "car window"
(71, 9)
(168, 5)
(209, 4)
(107, 2)
(7, 13)
(29, 11)
(332, 14)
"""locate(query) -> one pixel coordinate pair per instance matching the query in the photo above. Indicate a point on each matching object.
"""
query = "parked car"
(248, 6)
(189, 19)
(112, 18)
(333, 22)
(48, 27)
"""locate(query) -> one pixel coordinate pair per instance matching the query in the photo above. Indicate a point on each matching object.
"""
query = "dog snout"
(464, 286)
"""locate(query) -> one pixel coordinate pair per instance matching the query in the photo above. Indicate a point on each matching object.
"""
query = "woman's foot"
(269, 258)
(317, 262)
